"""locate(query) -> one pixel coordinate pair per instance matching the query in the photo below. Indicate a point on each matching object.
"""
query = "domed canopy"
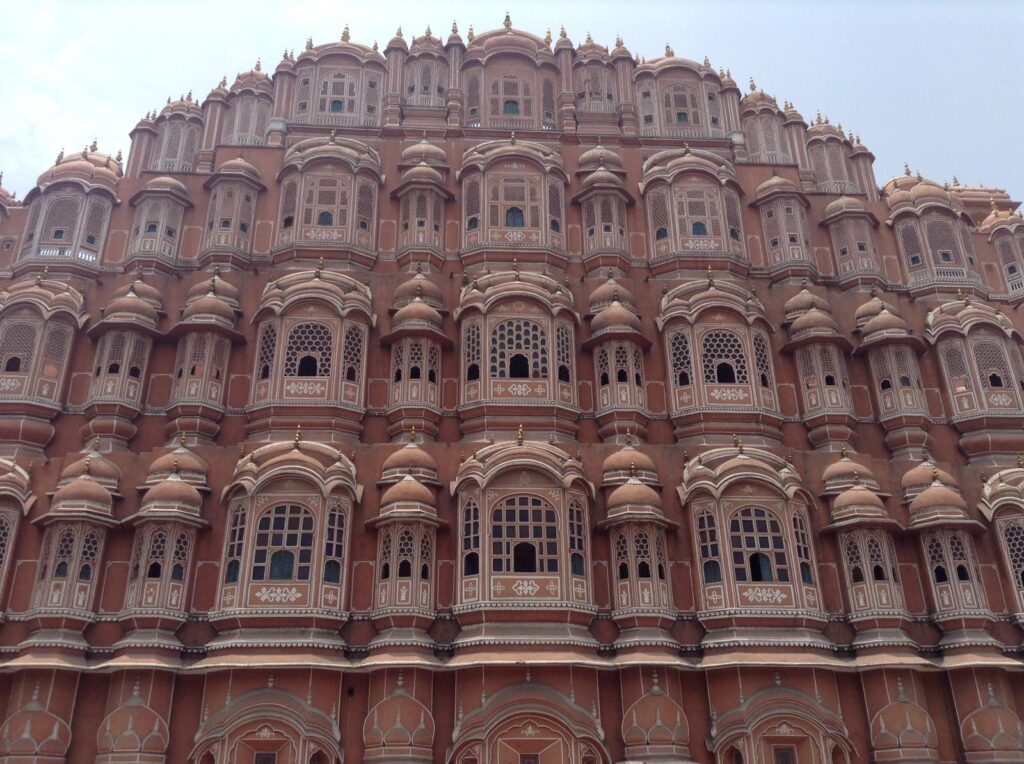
(97, 466)
(938, 505)
(419, 286)
(409, 460)
(128, 310)
(189, 466)
(599, 156)
(802, 302)
(238, 167)
(922, 475)
(629, 462)
(424, 152)
(88, 169)
(608, 292)
(778, 186)
(408, 499)
(417, 318)
(845, 473)
(816, 325)
(635, 501)
(172, 497)
(182, 107)
(408, 489)
(218, 285)
(859, 506)
(165, 186)
(615, 316)
(84, 499)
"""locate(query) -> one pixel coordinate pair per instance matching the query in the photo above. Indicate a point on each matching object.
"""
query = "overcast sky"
(935, 84)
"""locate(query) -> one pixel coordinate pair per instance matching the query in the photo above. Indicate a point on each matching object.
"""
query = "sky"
(934, 84)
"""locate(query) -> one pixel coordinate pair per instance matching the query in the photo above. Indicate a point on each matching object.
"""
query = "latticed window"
(943, 243)
(7, 526)
(622, 556)
(308, 351)
(386, 542)
(366, 203)
(514, 201)
(17, 347)
(406, 553)
(511, 96)
(680, 106)
(723, 359)
(236, 537)
(267, 345)
(555, 206)
(289, 201)
(954, 570)
(326, 201)
(577, 536)
(955, 363)
(707, 540)
(698, 211)
(763, 360)
(990, 359)
(334, 544)
(61, 221)
(519, 350)
(758, 546)
(284, 544)
(910, 244)
(524, 536)
(471, 351)
(1013, 546)
(564, 351)
(352, 355)
(803, 549)
(657, 206)
(682, 366)
(471, 539)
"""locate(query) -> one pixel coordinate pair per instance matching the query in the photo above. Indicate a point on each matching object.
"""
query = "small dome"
(183, 106)
(886, 321)
(238, 166)
(802, 302)
(923, 474)
(173, 492)
(935, 496)
(814, 321)
(775, 185)
(408, 489)
(422, 173)
(210, 305)
(96, 466)
(131, 304)
(599, 156)
(628, 459)
(424, 152)
(166, 183)
(602, 177)
(147, 292)
(870, 309)
(419, 286)
(89, 166)
(180, 460)
(410, 457)
(417, 311)
(846, 469)
(615, 316)
(633, 493)
(858, 497)
(81, 490)
(844, 204)
(608, 292)
(214, 284)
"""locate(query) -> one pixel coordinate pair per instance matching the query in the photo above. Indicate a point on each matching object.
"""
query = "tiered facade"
(500, 400)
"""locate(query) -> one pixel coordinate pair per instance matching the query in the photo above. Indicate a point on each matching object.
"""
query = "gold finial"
(826, 119)
(412, 434)
(956, 182)
(182, 439)
(470, 35)
(707, 61)
(60, 156)
(507, 23)
(259, 65)
(398, 33)
(906, 169)
(309, 43)
(375, 46)
(241, 450)
(753, 85)
(737, 443)
(669, 53)
(519, 435)
(935, 474)
(842, 451)
(561, 33)
(332, 136)
(319, 268)
(428, 34)
(175, 468)
(918, 176)
(1020, 460)
(298, 436)
(515, 267)
(856, 478)
(590, 40)
(547, 37)
(991, 202)
(618, 41)
(116, 158)
(345, 34)
(455, 27)
(632, 469)
(93, 145)
(88, 463)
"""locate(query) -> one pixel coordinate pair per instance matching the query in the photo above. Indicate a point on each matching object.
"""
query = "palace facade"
(500, 400)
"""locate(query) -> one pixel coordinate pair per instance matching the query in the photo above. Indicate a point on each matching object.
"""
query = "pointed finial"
(507, 23)
(561, 33)
(345, 34)
(707, 61)
(398, 32)
(93, 145)
(842, 451)
(455, 27)
(547, 37)
(60, 156)
(512, 138)
(956, 182)
(88, 463)
(96, 443)
(332, 136)
(711, 278)
(428, 32)
(632, 469)
(259, 65)
(991, 202)
(669, 53)
(590, 40)
(470, 34)
(753, 85)
(519, 434)
(737, 443)
(629, 437)
(906, 169)
(309, 43)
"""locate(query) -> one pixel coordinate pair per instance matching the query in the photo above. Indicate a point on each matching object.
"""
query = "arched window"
(284, 544)
(334, 544)
(511, 108)
(309, 350)
(707, 537)
(679, 348)
(1012, 532)
(514, 218)
(577, 535)
(519, 349)
(524, 532)
(17, 346)
(471, 539)
(803, 550)
(699, 229)
(758, 546)
(723, 359)
(325, 218)
(268, 343)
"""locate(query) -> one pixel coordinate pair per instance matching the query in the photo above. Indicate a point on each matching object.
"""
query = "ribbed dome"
(166, 183)
(843, 204)
(802, 302)
(174, 492)
(80, 490)
(627, 459)
(147, 292)
(89, 166)
(633, 493)
(210, 305)
(857, 497)
(885, 321)
(425, 152)
(615, 316)
(417, 311)
(923, 474)
(937, 497)
(410, 457)
(775, 185)
(215, 284)
(814, 320)
(419, 286)
(602, 177)
(408, 489)
(179, 460)
(422, 173)
(599, 156)
(132, 305)
(98, 467)
(846, 470)
(869, 310)
(609, 292)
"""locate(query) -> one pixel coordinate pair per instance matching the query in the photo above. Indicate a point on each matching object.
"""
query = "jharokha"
(500, 400)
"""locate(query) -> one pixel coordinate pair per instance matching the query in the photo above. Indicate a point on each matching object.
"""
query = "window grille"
(993, 370)
(1013, 540)
(471, 538)
(353, 354)
(763, 359)
(564, 348)
(518, 339)
(721, 347)
(803, 549)
(60, 222)
(707, 540)
(524, 534)
(309, 340)
(17, 347)
(268, 344)
(758, 546)
(910, 244)
(236, 536)
(281, 532)
(334, 544)
(679, 349)
(942, 243)
(577, 536)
